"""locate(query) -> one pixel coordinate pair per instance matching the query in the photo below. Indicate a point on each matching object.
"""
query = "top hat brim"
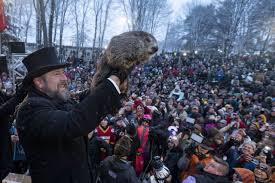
(31, 75)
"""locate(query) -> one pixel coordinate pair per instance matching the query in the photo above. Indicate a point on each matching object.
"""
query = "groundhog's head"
(129, 49)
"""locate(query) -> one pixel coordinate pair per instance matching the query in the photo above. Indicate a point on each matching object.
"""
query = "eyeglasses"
(262, 167)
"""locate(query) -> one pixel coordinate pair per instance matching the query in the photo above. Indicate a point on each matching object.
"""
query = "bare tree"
(56, 19)
(38, 24)
(145, 14)
(101, 13)
(97, 9)
(51, 19)
(63, 12)
(80, 10)
(42, 9)
(28, 12)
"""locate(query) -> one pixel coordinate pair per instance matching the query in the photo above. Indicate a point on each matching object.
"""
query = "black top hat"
(41, 62)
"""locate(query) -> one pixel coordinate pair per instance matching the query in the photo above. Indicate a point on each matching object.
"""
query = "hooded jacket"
(115, 170)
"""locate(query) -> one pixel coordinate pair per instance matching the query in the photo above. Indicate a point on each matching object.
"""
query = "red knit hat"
(139, 103)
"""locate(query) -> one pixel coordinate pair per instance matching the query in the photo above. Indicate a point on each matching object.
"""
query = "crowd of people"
(185, 119)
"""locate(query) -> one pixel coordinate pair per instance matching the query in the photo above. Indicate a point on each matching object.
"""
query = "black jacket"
(7, 108)
(54, 133)
(171, 160)
(114, 170)
(210, 178)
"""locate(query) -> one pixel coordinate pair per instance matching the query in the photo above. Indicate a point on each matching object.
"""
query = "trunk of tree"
(77, 28)
(64, 7)
(105, 22)
(51, 19)
(38, 23)
(43, 21)
(57, 14)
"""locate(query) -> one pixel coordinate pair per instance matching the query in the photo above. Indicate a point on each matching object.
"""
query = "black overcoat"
(53, 133)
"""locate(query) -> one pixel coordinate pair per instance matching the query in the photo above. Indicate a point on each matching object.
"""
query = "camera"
(161, 172)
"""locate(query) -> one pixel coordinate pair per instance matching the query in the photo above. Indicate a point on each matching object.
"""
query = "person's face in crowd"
(248, 149)
(211, 110)
(120, 123)
(104, 123)
(221, 124)
(238, 137)
(219, 140)
(230, 110)
(162, 105)
(140, 111)
(170, 102)
(259, 172)
(213, 167)
(202, 150)
(148, 101)
(180, 107)
(54, 84)
(260, 119)
(195, 110)
(172, 142)
(128, 107)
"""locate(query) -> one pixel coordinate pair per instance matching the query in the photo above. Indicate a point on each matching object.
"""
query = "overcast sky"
(118, 21)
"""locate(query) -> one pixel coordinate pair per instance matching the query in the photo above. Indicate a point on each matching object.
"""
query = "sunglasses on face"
(262, 167)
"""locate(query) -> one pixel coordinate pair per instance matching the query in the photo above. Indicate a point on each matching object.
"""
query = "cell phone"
(197, 138)
(190, 120)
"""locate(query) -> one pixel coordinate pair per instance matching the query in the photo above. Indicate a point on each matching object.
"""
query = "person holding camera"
(243, 158)
(258, 127)
(172, 156)
(195, 156)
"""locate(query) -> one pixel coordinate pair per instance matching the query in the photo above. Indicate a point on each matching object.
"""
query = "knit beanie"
(122, 147)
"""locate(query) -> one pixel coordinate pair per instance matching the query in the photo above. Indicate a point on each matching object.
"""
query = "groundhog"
(123, 53)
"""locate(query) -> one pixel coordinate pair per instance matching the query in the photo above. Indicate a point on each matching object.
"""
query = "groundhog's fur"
(123, 53)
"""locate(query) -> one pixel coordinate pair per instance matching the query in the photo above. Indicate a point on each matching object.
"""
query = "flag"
(3, 23)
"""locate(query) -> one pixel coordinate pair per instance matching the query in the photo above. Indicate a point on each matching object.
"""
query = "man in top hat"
(52, 130)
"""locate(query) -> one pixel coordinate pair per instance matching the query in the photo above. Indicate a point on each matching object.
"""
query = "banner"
(3, 23)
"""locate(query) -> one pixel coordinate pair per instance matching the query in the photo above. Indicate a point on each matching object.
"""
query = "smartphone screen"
(190, 120)
(196, 138)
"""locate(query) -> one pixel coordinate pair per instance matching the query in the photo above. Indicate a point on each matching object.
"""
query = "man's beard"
(62, 92)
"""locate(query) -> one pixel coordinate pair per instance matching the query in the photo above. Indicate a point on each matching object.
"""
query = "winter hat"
(265, 168)
(212, 132)
(122, 147)
(131, 129)
(246, 175)
(139, 103)
(172, 130)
